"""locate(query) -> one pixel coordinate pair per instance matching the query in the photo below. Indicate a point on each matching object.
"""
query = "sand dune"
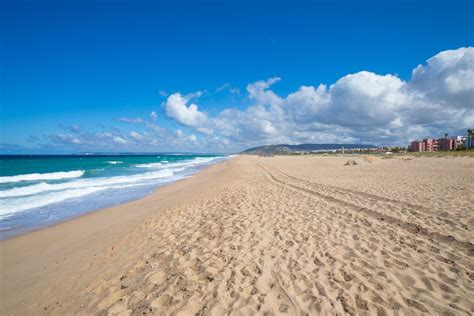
(289, 235)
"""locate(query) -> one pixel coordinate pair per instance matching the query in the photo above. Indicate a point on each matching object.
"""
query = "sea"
(38, 191)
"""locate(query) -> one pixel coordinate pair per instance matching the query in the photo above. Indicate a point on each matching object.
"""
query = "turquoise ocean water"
(36, 191)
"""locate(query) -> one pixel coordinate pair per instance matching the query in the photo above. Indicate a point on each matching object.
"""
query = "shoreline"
(19, 230)
(42, 257)
(86, 213)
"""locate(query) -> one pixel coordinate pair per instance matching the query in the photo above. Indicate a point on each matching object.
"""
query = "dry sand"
(296, 235)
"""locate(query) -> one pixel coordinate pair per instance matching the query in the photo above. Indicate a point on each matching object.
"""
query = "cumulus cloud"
(305, 104)
(447, 78)
(362, 107)
(365, 99)
(259, 92)
(177, 108)
(384, 109)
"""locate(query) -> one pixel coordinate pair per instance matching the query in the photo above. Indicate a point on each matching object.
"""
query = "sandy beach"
(296, 235)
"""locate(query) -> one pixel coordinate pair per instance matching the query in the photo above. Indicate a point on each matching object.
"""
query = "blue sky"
(73, 71)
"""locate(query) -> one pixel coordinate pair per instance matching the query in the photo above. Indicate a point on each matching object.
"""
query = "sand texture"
(296, 235)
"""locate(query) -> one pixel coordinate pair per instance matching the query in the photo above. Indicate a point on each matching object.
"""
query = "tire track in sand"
(413, 228)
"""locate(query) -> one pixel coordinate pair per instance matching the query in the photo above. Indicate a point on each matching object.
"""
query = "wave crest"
(43, 176)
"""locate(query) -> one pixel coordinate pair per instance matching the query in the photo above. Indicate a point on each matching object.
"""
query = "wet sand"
(281, 235)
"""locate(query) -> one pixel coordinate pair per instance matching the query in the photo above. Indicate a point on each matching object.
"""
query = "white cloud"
(204, 130)
(448, 78)
(137, 136)
(133, 120)
(178, 109)
(305, 104)
(155, 128)
(259, 92)
(66, 138)
(153, 116)
(120, 140)
(194, 95)
(179, 133)
(361, 107)
(192, 138)
(228, 87)
(365, 99)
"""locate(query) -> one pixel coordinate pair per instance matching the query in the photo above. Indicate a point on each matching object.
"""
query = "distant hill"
(287, 149)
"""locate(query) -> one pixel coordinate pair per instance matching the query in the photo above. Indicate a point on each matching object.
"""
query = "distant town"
(443, 144)
(426, 145)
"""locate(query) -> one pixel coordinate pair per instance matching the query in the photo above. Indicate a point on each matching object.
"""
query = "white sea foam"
(41, 194)
(114, 162)
(8, 207)
(43, 176)
(85, 183)
(185, 163)
(149, 165)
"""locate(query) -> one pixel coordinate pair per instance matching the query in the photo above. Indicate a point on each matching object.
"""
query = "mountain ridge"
(286, 148)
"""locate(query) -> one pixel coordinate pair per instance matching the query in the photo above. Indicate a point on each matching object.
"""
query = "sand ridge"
(297, 236)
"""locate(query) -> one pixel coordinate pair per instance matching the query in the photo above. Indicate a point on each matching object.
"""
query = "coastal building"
(430, 144)
(443, 144)
(427, 144)
(465, 141)
(460, 140)
(447, 144)
(417, 146)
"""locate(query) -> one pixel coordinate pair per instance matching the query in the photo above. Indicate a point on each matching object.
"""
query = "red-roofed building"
(447, 144)
(417, 146)
(430, 144)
